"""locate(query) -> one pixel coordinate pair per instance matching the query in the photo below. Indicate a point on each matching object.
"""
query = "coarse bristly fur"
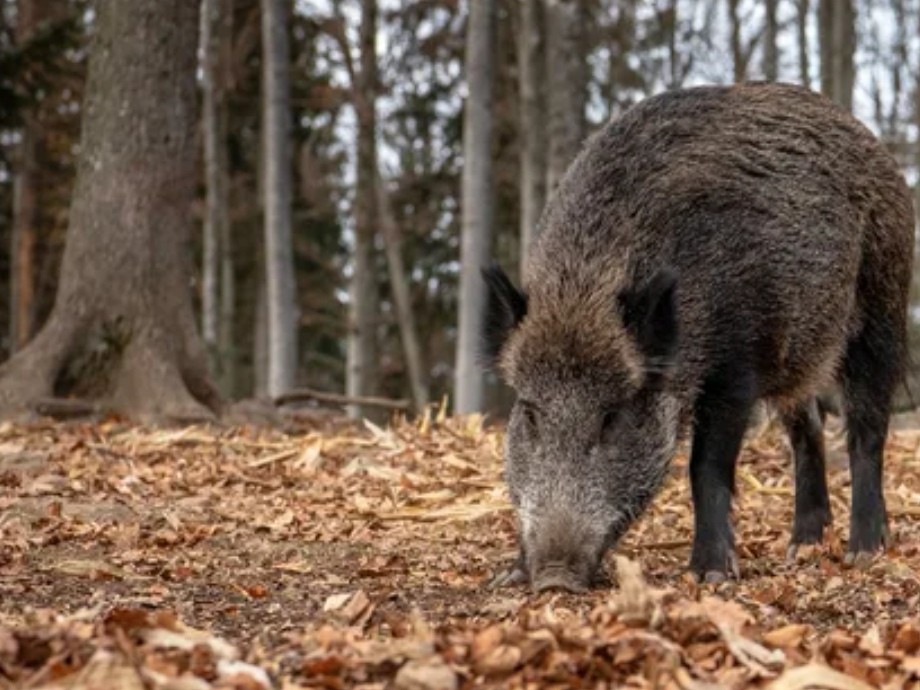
(712, 247)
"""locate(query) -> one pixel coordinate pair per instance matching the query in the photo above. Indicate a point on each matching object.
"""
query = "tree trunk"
(402, 301)
(122, 329)
(623, 48)
(25, 203)
(217, 280)
(739, 66)
(227, 329)
(23, 236)
(804, 8)
(770, 49)
(226, 332)
(531, 80)
(567, 71)
(477, 202)
(917, 153)
(675, 69)
(845, 42)
(260, 343)
(837, 37)
(826, 45)
(361, 372)
(279, 257)
(901, 61)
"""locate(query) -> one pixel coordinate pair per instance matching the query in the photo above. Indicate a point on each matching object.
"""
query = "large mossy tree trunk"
(122, 330)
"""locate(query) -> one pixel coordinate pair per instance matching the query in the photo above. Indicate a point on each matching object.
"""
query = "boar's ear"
(650, 315)
(505, 307)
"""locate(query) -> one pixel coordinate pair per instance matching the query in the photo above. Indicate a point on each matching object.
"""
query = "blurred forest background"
(354, 162)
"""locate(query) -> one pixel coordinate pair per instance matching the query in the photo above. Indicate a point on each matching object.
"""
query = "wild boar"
(711, 248)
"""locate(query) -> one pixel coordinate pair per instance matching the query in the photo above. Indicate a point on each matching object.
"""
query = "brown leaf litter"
(337, 556)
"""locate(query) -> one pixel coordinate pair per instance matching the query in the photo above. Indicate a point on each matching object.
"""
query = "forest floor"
(335, 556)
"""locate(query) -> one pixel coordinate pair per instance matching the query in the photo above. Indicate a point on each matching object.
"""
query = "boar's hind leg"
(870, 373)
(720, 422)
(812, 507)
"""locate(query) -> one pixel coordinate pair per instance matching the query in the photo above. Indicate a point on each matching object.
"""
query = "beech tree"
(531, 60)
(279, 253)
(361, 377)
(122, 330)
(477, 201)
(567, 83)
(217, 277)
(837, 39)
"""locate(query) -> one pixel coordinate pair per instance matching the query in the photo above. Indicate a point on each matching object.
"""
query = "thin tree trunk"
(227, 330)
(279, 258)
(770, 49)
(826, 45)
(477, 202)
(25, 204)
(917, 148)
(567, 72)
(402, 301)
(804, 8)
(361, 373)
(891, 124)
(25, 219)
(215, 178)
(837, 36)
(218, 289)
(739, 66)
(620, 71)
(845, 42)
(260, 343)
(675, 70)
(124, 332)
(531, 80)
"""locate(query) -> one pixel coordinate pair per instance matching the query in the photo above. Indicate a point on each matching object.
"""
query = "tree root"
(146, 378)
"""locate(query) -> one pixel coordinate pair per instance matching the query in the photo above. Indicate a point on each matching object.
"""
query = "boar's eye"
(530, 414)
(610, 419)
(609, 422)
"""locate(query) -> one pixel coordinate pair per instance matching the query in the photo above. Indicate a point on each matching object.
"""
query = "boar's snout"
(560, 576)
(564, 553)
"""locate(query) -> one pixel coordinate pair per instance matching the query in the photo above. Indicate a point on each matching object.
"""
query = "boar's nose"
(560, 577)
(564, 552)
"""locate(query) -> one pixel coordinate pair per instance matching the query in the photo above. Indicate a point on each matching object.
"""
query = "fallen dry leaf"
(356, 605)
(337, 555)
(818, 677)
(502, 659)
(425, 675)
(787, 636)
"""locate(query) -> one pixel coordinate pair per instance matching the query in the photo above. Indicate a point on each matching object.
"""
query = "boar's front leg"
(515, 574)
(721, 417)
(812, 506)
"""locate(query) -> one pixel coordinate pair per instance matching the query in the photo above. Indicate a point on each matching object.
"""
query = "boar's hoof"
(508, 578)
(797, 553)
(859, 560)
(715, 577)
(865, 545)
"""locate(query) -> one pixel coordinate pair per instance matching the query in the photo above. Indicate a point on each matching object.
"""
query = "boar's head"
(594, 425)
